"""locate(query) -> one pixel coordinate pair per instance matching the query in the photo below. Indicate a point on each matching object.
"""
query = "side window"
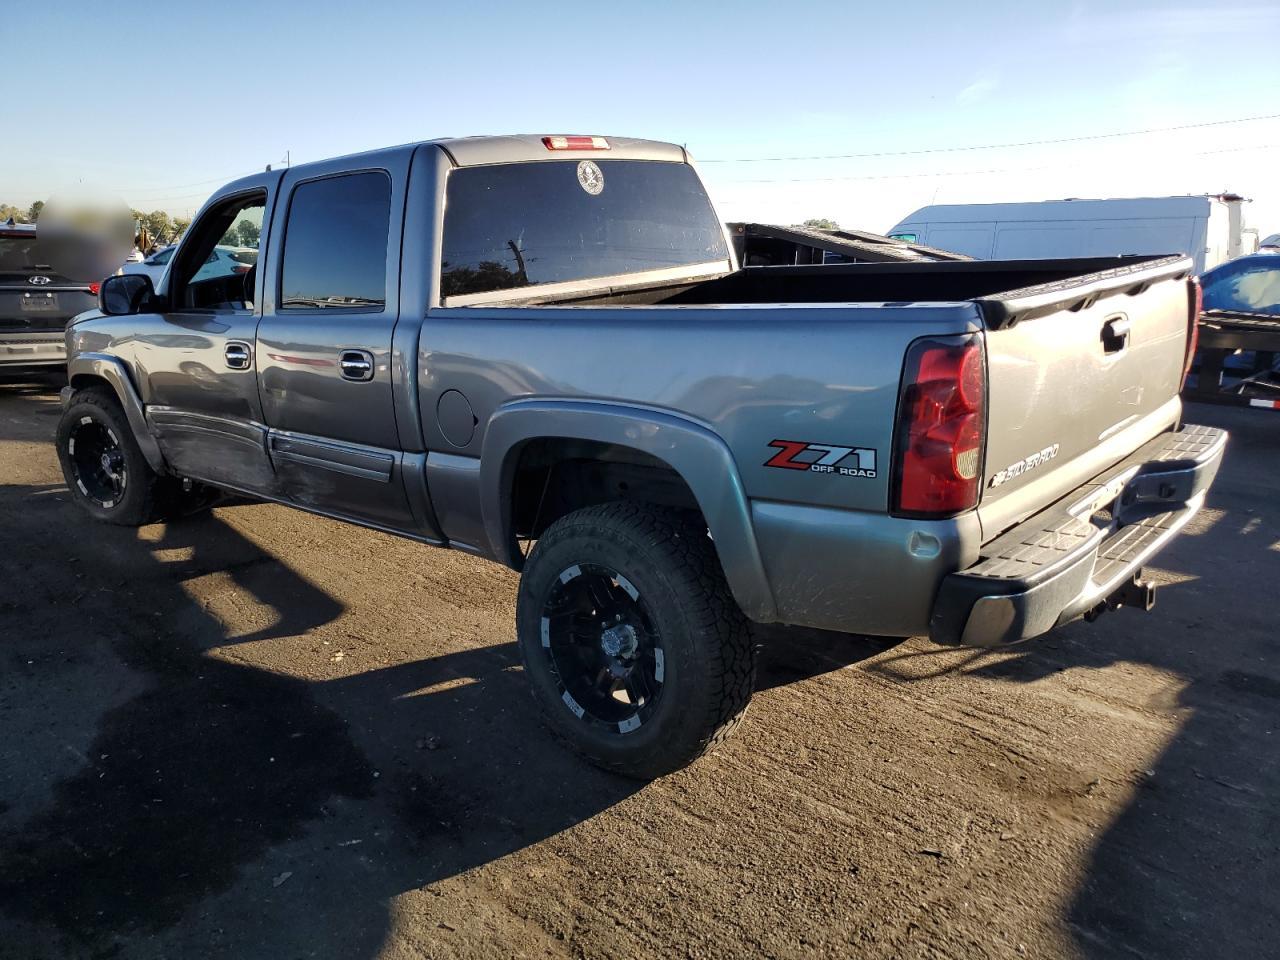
(335, 243)
(216, 267)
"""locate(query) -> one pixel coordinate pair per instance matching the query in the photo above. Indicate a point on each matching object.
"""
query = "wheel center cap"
(620, 641)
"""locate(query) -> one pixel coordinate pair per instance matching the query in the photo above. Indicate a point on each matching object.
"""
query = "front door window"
(217, 267)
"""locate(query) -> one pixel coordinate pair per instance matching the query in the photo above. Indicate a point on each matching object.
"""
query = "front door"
(324, 344)
(198, 359)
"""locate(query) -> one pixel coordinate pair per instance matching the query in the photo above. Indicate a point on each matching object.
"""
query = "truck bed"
(810, 345)
(1004, 288)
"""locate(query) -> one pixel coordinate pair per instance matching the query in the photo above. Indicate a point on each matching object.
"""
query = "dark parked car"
(35, 303)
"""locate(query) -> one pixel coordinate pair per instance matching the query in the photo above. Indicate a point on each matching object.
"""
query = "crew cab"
(540, 350)
(36, 301)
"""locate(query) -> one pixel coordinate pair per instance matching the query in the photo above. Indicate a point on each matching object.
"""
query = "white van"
(1209, 228)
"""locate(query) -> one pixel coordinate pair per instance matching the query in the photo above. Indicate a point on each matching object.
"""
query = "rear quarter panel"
(823, 374)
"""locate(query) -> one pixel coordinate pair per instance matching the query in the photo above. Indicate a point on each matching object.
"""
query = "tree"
(247, 233)
(158, 224)
(180, 225)
(33, 212)
(821, 223)
(8, 210)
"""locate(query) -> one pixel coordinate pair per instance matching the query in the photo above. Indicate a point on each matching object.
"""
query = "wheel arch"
(693, 452)
(93, 369)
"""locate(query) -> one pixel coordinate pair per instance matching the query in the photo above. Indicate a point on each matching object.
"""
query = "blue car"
(1240, 333)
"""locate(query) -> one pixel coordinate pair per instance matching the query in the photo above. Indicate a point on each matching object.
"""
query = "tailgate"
(1080, 374)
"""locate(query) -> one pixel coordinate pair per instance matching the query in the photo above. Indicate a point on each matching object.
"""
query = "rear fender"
(103, 366)
(693, 451)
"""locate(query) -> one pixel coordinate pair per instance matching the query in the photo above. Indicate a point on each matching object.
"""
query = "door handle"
(1115, 334)
(239, 355)
(356, 365)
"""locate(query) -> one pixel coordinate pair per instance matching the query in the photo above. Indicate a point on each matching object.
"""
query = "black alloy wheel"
(97, 462)
(601, 644)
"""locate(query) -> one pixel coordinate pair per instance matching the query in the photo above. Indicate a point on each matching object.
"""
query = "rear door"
(325, 340)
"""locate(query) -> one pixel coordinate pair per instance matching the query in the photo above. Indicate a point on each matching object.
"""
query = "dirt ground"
(264, 734)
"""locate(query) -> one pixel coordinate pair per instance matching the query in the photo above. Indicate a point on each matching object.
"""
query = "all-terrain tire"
(131, 494)
(665, 572)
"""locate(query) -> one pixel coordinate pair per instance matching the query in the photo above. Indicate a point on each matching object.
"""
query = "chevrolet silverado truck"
(541, 351)
(36, 301)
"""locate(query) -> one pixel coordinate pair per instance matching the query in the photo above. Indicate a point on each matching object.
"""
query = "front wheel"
(634, 648)
(104, 467)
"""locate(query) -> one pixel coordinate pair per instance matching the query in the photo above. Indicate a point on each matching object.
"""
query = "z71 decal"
(823, 458)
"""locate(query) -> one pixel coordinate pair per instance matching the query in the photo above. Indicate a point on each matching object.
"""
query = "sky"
(160, 103)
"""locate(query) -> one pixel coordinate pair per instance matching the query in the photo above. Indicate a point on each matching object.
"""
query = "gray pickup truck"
(540, 350)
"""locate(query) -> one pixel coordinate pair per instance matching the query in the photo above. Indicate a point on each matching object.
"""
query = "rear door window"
(521, 224)
(335, 243)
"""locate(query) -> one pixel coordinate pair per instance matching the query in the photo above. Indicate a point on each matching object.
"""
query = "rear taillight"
(94, 288)
(941, 428)
(1196, 297)
(575, 143)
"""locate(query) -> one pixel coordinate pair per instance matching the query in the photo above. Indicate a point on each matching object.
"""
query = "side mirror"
(126, 293)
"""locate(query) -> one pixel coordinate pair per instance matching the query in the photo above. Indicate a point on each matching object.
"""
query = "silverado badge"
(1020, 467)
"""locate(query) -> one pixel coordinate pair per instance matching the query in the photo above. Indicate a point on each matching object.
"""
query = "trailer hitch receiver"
(1137, 592)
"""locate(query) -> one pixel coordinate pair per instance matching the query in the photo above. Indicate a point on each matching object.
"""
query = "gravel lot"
(264, 734)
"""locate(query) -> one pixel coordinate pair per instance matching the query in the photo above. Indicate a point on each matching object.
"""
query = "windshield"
(1244, 288)
(520, 224)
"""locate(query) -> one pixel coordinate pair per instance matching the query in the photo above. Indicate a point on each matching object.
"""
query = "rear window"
(18, 252)
(521, 224)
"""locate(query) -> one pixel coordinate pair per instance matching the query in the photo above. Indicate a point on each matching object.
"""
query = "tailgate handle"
(1115, 334)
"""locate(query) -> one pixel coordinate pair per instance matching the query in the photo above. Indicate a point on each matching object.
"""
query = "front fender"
(696, 453)
(103, 366)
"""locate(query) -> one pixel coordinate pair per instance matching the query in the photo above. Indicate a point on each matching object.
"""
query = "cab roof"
(522, 147)
(511, 148)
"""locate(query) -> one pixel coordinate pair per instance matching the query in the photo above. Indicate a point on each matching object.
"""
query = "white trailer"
(1208, 228)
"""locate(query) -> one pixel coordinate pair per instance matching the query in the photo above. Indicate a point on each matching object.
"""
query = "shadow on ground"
(1191, 867)
(163, 801)
(156, 800)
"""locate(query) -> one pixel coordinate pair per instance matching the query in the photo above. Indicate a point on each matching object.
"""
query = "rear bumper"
(1072, 558)
(45, 349)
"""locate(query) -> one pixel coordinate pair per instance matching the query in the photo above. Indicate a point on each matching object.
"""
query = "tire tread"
(710, 607)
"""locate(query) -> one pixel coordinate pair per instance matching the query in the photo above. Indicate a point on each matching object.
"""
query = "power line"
(998, 146)
(966, 173)
(198, 183)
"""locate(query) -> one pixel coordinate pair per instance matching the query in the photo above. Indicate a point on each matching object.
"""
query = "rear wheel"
(634, 647)
(104, 467)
